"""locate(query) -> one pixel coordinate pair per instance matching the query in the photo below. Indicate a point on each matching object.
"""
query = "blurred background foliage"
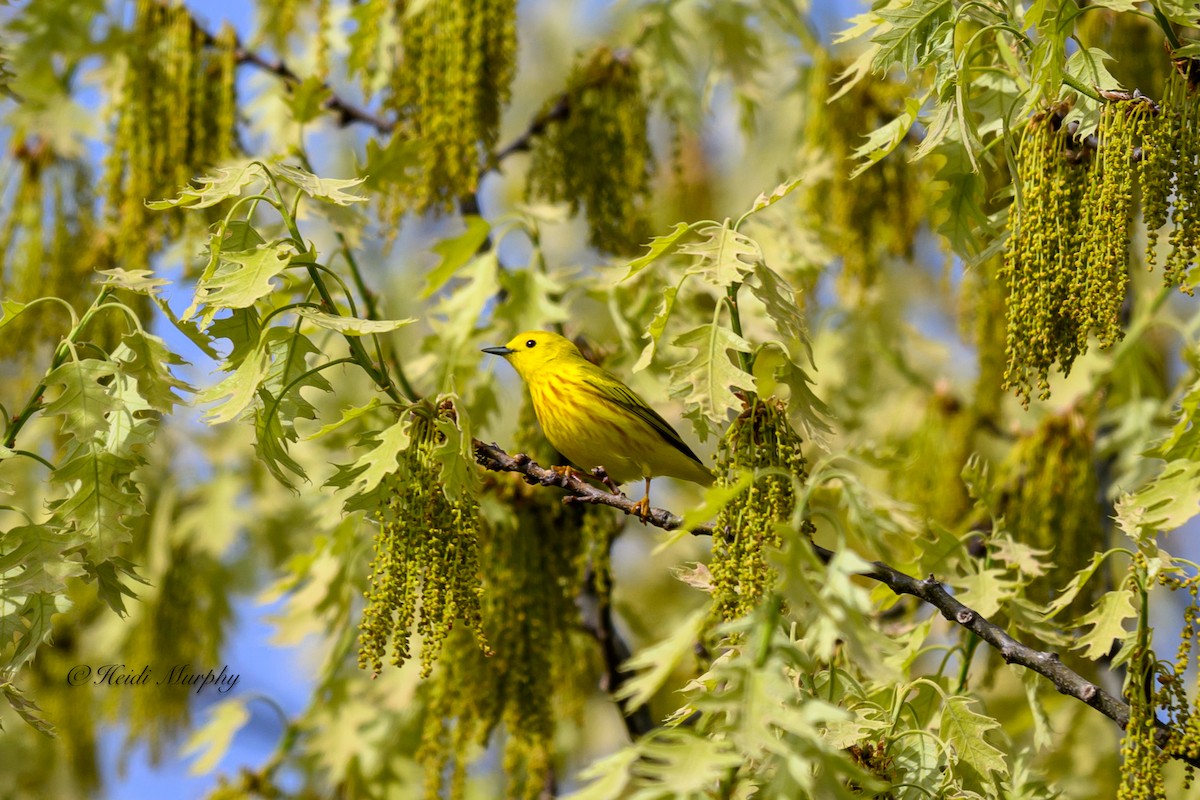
(916, 277)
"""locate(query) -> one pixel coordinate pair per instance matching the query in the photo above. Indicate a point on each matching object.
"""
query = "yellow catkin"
(1181, 108)
(174, 116)
(875, 216)
(937, 451)
(596, 156)
(1065, 268)
(748, 526)
(1051, 496)
(425, 574)
(448, 89)
(538, 552)
(1141, 760)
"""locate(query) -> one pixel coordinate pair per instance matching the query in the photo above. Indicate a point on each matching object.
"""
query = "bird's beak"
(499, 351)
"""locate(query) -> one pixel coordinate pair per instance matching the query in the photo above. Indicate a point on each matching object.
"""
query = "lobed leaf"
(708, 379)
(351, 326)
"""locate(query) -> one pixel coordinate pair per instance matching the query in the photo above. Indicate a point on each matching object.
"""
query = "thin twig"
(1044, 662)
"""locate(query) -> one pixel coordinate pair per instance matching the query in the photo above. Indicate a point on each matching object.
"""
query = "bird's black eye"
(530, 343)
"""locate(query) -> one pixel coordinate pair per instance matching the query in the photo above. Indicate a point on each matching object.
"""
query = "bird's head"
(532, 351)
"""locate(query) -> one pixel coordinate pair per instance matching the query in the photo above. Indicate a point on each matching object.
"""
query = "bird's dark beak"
(499, 351)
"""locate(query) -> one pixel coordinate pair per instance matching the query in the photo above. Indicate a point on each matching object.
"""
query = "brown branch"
(596, 611)
(347, 112)
(1044, 662)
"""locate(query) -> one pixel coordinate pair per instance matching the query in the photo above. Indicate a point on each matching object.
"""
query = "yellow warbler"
(595, 420)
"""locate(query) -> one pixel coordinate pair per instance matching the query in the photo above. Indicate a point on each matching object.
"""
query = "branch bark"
(929, 590)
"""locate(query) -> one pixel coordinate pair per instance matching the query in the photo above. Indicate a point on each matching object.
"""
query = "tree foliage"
(899, 281)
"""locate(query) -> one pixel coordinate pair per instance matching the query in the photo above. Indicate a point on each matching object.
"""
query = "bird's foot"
(641, 509)
(602, 474)
(565, 471)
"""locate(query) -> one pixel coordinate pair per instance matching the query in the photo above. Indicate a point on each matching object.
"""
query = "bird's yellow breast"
(592, 432)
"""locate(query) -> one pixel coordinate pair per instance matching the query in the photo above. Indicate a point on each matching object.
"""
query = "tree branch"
(596, 611)
(1044, 662)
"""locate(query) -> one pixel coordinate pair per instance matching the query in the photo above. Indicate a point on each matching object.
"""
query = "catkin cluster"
(760, 438)
(1051, 497)
(448, 88)
(537, 553)
(1066, 263)
(983, 300)
(426, 557)
(180, 624)
(1170, 176)
(939, 447)
(44, 240)
(1157, 691)
(874, 216)
(594, 154)
(174, 114)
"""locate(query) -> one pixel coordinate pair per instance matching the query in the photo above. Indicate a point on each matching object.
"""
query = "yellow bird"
(594, 419)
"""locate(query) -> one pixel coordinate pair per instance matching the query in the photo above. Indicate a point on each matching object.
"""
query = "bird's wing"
(616, 392)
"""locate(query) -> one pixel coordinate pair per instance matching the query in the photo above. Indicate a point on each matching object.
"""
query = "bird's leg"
(641, 508)
(602, 474)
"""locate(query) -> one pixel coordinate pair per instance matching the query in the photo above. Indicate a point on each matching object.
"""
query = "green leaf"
(455, 253)
(958, 212)
(1165, 503)
(1108, 624)
(1043, 733)
(26, 630)
(781, 191)
(655, 664)
(242, 278)
(965, 732)
(145, 357)
(707, 380)
(276, 414)
(610, 776)
(458, 474)
(396, 163)
(724, 256)
(35, 558)
(109, 584)
(243, 329)
(909, 32)
(364, 474)
(532, 299)
(10, 310)
(1185, 12)
(224, 183)
(139, 281)
(308, 99)
(78, 394)
(326, 189)
(985, 591)
(101, 501)
(213, 739)
(348, 415)
(659, 246)
(689, 763)
(351, 326)
(1067, 595)
(657, 325)
(779, 301)
(1116, 5)
(237, 389)
(886, 138)
(26, 709)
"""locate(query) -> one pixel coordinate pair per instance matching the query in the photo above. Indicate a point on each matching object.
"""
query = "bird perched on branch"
(594, 419)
